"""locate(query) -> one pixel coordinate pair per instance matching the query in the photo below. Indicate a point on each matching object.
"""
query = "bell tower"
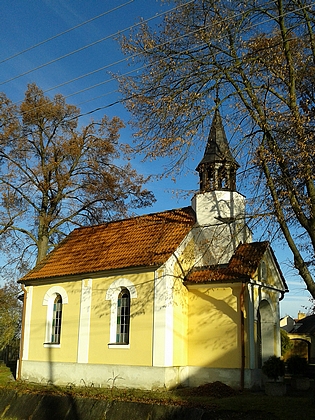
(217, 169)
(220, 209)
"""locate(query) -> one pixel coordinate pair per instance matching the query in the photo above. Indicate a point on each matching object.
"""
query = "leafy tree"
(286, 343)
(56, 174)
(10, 313)
(260, 56)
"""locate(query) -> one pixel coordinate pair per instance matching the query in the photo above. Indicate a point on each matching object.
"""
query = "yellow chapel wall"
(140, 349)
(67, 352)
(185, 261)
(180, 326)
(214, 333)
(141, 321)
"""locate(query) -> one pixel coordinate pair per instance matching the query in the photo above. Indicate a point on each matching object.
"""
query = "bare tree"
(261, 57)
(55, 174)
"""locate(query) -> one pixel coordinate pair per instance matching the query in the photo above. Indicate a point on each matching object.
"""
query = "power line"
(136, 55)
(99, 41)
(84, 47)
(148, 65)
(65, 32)
(157, 46)
(61, 57)
(171, 56)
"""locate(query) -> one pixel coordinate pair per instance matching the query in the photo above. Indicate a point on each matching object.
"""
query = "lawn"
(220, 399)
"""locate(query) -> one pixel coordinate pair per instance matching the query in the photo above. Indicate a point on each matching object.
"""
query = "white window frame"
(48, 301)
(112, 294)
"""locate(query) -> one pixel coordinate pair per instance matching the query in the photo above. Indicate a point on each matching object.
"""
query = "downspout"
(22, 332)
(242, 307)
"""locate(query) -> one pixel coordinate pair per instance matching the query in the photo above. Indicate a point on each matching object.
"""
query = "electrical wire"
(157, 46)
(65, 32)
(84, 47)
(171, 56)
(136, 55)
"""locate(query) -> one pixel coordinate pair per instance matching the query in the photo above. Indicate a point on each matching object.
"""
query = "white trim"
(118, 346)
(112, 295)
(169, 323)
(27, 322)
(163, 324)
(84, 321)
(251, 328)
(261, 297)
(49, 302)
(52, 345)
(53, 291)
(116, 287)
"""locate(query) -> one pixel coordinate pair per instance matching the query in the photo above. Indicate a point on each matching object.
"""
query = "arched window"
(56, 320)
(55, 298)
(123, 317)
(120, 293)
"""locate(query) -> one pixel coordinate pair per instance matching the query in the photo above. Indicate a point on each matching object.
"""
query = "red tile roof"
(140, 241)
(241, 267)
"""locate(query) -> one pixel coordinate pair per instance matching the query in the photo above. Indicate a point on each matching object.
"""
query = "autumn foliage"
(56, 174)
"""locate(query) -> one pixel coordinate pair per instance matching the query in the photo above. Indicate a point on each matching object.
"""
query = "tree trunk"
(42, 242)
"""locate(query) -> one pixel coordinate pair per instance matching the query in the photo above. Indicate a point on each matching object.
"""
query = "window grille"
(123, 317)
(56, 321)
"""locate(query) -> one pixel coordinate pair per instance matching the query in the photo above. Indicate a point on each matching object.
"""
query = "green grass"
(254, 405)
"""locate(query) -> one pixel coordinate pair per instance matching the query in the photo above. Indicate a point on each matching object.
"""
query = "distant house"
(302, 333)
(287, 323)
(181, 297)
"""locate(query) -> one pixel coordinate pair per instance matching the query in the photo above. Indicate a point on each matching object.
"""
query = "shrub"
(297, 365)
(273, 368)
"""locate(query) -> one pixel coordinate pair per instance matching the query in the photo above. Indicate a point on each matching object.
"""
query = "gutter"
(22, 332)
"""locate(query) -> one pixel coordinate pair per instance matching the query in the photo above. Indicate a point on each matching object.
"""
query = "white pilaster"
(27, 322)
(84, 321)
(251, 329)
(163, 320)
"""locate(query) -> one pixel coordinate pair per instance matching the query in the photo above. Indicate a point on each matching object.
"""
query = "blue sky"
(70, 47)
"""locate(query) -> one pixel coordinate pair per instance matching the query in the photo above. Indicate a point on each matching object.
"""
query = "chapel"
(181, 297)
